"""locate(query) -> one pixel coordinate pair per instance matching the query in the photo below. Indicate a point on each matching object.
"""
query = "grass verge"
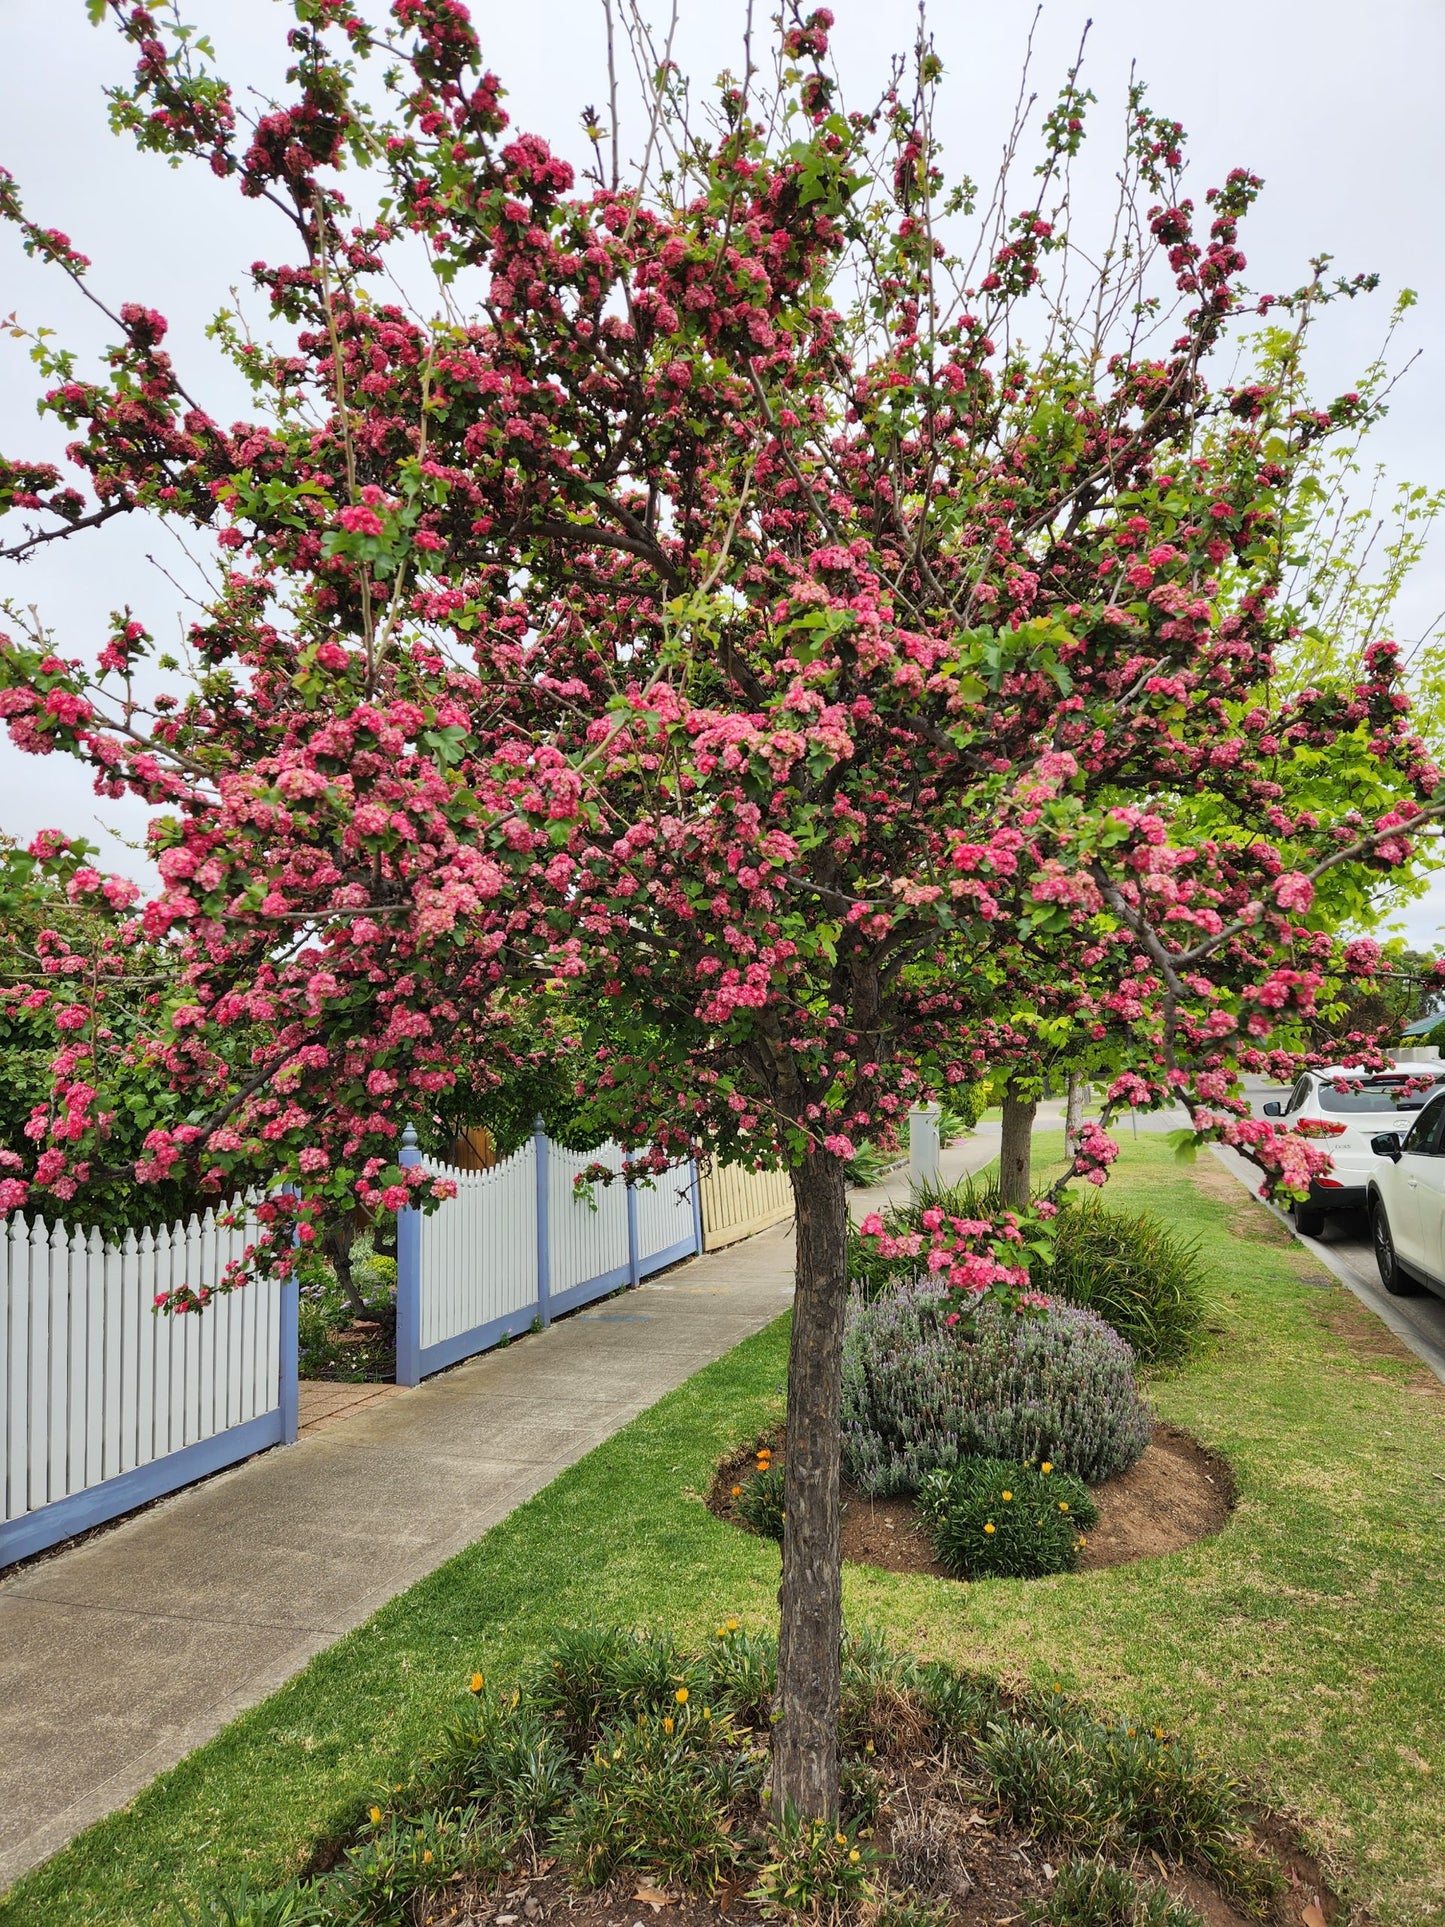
(1301, 1645)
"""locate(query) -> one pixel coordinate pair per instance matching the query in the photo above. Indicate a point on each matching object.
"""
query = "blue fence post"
(544, 1226)
(408, 1276)
(696, 1180)
(290, 1387)
(634, 1261)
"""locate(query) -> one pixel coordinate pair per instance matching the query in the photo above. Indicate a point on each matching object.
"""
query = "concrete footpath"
(121, 1654)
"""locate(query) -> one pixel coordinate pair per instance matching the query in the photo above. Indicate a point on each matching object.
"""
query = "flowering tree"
(818, 647)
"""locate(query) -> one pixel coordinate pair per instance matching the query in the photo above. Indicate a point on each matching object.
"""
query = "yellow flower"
(722, 1632)
(426, 1858)
(477, 1682)
(707, 1712)
(681, 1696)
(989, 1526)
(1057, 1687)
(732, 1625)
(376, 1816)
(841, 1838)
(737, 1491)
(1158, 1732)
(1008, 1495)
(667, 1724)
(853, 1856)
(1063, 1505)
(1047, 1466)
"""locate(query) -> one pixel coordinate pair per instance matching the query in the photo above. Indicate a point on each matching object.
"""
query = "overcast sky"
(1334, 102)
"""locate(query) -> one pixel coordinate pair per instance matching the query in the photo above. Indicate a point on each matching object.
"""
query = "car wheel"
(1309, 1220)
(1398, 1283)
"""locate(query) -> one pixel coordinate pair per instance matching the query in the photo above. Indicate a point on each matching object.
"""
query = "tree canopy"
(820, 620)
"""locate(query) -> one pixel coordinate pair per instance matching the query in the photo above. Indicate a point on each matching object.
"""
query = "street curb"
(1389, 1315)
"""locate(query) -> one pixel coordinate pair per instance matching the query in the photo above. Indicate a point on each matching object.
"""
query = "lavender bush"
(917, 1396)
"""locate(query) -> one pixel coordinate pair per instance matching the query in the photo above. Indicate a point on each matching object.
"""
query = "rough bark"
(805, 1736)
(1074, 1112)
(337, 1239)
(1014, 1174)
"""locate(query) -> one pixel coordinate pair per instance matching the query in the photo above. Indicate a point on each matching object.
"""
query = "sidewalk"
(121, 1654)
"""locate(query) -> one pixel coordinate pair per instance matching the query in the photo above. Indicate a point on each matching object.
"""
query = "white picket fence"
(108, 1404)
(517, 1246)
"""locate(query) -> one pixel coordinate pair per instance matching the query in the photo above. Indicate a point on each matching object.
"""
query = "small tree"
(821, 644)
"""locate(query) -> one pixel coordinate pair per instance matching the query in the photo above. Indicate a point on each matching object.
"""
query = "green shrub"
(919, 1394)
(588, 1680)
(400, 1858)
(760, 1503)
(993, 1519)
(1134, 1271)
(501, 1752)
(1091, 1893)
(742, 1674)
(812, 1868)
(655, 1798)
(869, 1165)
(1092, 1785)
(961, 1706)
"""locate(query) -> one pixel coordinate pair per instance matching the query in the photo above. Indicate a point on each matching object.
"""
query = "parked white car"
(1365, 1106)
(1406, 1202)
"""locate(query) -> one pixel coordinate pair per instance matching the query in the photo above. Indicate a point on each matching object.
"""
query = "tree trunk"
(1014, 1153)
(805, 1736)
(337, 1239)
(1074, 1112)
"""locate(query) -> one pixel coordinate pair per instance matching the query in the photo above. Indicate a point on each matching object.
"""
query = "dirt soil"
(1177, 1493)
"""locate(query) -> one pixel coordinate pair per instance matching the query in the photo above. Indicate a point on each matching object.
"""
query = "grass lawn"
(1302, 1646)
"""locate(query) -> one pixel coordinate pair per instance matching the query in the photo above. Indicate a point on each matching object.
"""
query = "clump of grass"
(1135, 1271)
(926, 1852)
(757, 1499)
(1091, 1893)
(1086, 1784)
(993, 1519)
(812, 1868)
(245, 1905)
(655, 1798)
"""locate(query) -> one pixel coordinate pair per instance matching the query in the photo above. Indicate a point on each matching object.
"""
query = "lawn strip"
(1299, 1645)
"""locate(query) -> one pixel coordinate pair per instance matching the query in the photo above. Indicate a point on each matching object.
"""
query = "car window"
(1424, 1137)
(1298, 1095)
(1376, 1095)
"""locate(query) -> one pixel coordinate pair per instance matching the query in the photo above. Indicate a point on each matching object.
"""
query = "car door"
(1430, 1190)
(1402, 1190)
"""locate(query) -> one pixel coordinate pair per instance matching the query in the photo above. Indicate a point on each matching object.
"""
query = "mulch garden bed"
(988, 1872)
(1178, 1492)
